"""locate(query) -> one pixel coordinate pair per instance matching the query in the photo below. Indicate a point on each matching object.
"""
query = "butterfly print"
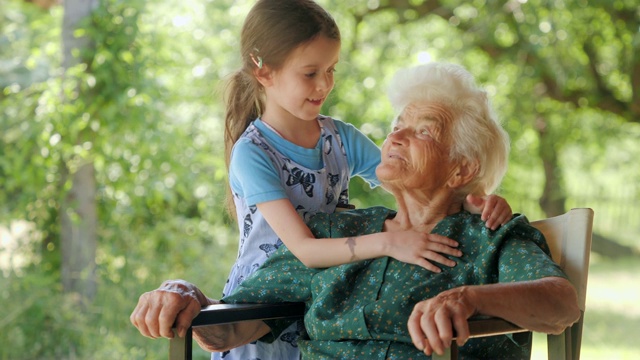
(304, 214)
(327, 144)
(333, 179)
(240, 278)
(291, 338)
(329, 196)
(270, 248)
(248, 224)
(299, 177)
(261, 144)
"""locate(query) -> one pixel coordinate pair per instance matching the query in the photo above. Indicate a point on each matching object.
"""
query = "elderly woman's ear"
(463, 174)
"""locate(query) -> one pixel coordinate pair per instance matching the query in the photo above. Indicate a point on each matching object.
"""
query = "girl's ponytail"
(244, 103)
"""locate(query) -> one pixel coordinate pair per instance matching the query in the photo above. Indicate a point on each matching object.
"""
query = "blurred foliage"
(147, 110)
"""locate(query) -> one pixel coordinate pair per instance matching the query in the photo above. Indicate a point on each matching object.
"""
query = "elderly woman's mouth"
(395, 156)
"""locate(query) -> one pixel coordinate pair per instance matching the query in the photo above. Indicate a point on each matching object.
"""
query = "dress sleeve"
(248, 163)
(363, 155)
(525, 256)
(282, 278)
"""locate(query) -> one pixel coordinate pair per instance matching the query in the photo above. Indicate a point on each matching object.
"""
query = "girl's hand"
(494, 209)
(417, 248)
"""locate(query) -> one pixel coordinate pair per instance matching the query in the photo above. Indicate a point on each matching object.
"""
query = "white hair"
(476, 134)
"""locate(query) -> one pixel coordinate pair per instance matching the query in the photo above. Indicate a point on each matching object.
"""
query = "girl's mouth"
(316, 102)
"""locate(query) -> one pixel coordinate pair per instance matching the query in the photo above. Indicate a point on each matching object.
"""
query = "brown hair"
(271, 31)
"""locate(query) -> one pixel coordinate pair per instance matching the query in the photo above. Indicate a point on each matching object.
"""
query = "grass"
(612, 317)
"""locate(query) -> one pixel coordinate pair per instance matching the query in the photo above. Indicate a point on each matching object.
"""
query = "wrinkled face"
(301, 86)
(415, 155)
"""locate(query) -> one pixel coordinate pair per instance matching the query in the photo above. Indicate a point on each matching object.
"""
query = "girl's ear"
(264, 75)
(463, 174)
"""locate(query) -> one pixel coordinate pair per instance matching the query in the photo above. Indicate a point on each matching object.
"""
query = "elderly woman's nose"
(398, 135)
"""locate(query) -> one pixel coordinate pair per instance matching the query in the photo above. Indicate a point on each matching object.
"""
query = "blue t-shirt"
(248, 163)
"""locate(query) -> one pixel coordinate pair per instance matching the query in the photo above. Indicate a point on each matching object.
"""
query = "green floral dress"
(360, 310)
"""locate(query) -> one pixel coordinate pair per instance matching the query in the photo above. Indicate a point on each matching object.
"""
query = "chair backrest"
(569, 238)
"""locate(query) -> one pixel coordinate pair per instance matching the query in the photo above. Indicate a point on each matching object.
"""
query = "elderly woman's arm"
(546, 305)
(228, 336)
(176, 303)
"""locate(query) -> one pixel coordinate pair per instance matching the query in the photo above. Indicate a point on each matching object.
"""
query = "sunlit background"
(133, 119)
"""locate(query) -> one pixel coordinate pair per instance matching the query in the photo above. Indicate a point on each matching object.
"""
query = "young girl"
(286, 162)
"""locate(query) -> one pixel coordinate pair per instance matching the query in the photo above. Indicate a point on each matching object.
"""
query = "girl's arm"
(407, 246)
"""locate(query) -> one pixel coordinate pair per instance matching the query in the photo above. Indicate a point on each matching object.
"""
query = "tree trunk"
(553, 196)
(78, 217)
(78, 214)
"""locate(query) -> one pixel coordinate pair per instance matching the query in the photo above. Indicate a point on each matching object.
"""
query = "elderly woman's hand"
(174, 302)
(432, 322)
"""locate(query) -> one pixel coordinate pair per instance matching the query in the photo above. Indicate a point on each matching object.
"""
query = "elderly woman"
(445, 144)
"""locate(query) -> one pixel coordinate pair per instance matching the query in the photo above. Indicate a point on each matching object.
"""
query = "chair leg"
(450, 353)
(180, 348)
(576, 338)
(557, 345)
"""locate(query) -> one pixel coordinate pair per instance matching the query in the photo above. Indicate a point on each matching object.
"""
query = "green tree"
(137, 108)
(141, 106)
(558, 84)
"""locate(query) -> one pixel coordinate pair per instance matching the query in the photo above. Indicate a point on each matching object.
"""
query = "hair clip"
(258, 62)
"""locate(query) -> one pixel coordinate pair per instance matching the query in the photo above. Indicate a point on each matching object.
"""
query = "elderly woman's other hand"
(494, 210)
(433, 321)
(174, 302)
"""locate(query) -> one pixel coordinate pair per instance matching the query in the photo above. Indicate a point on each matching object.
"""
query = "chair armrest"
(481, 326)
(181, 348)
(229, 313)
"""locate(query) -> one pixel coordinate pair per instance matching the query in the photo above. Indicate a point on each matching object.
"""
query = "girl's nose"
(325, 82)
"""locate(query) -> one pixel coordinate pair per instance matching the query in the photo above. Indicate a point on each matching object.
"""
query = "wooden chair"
(569, 238)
